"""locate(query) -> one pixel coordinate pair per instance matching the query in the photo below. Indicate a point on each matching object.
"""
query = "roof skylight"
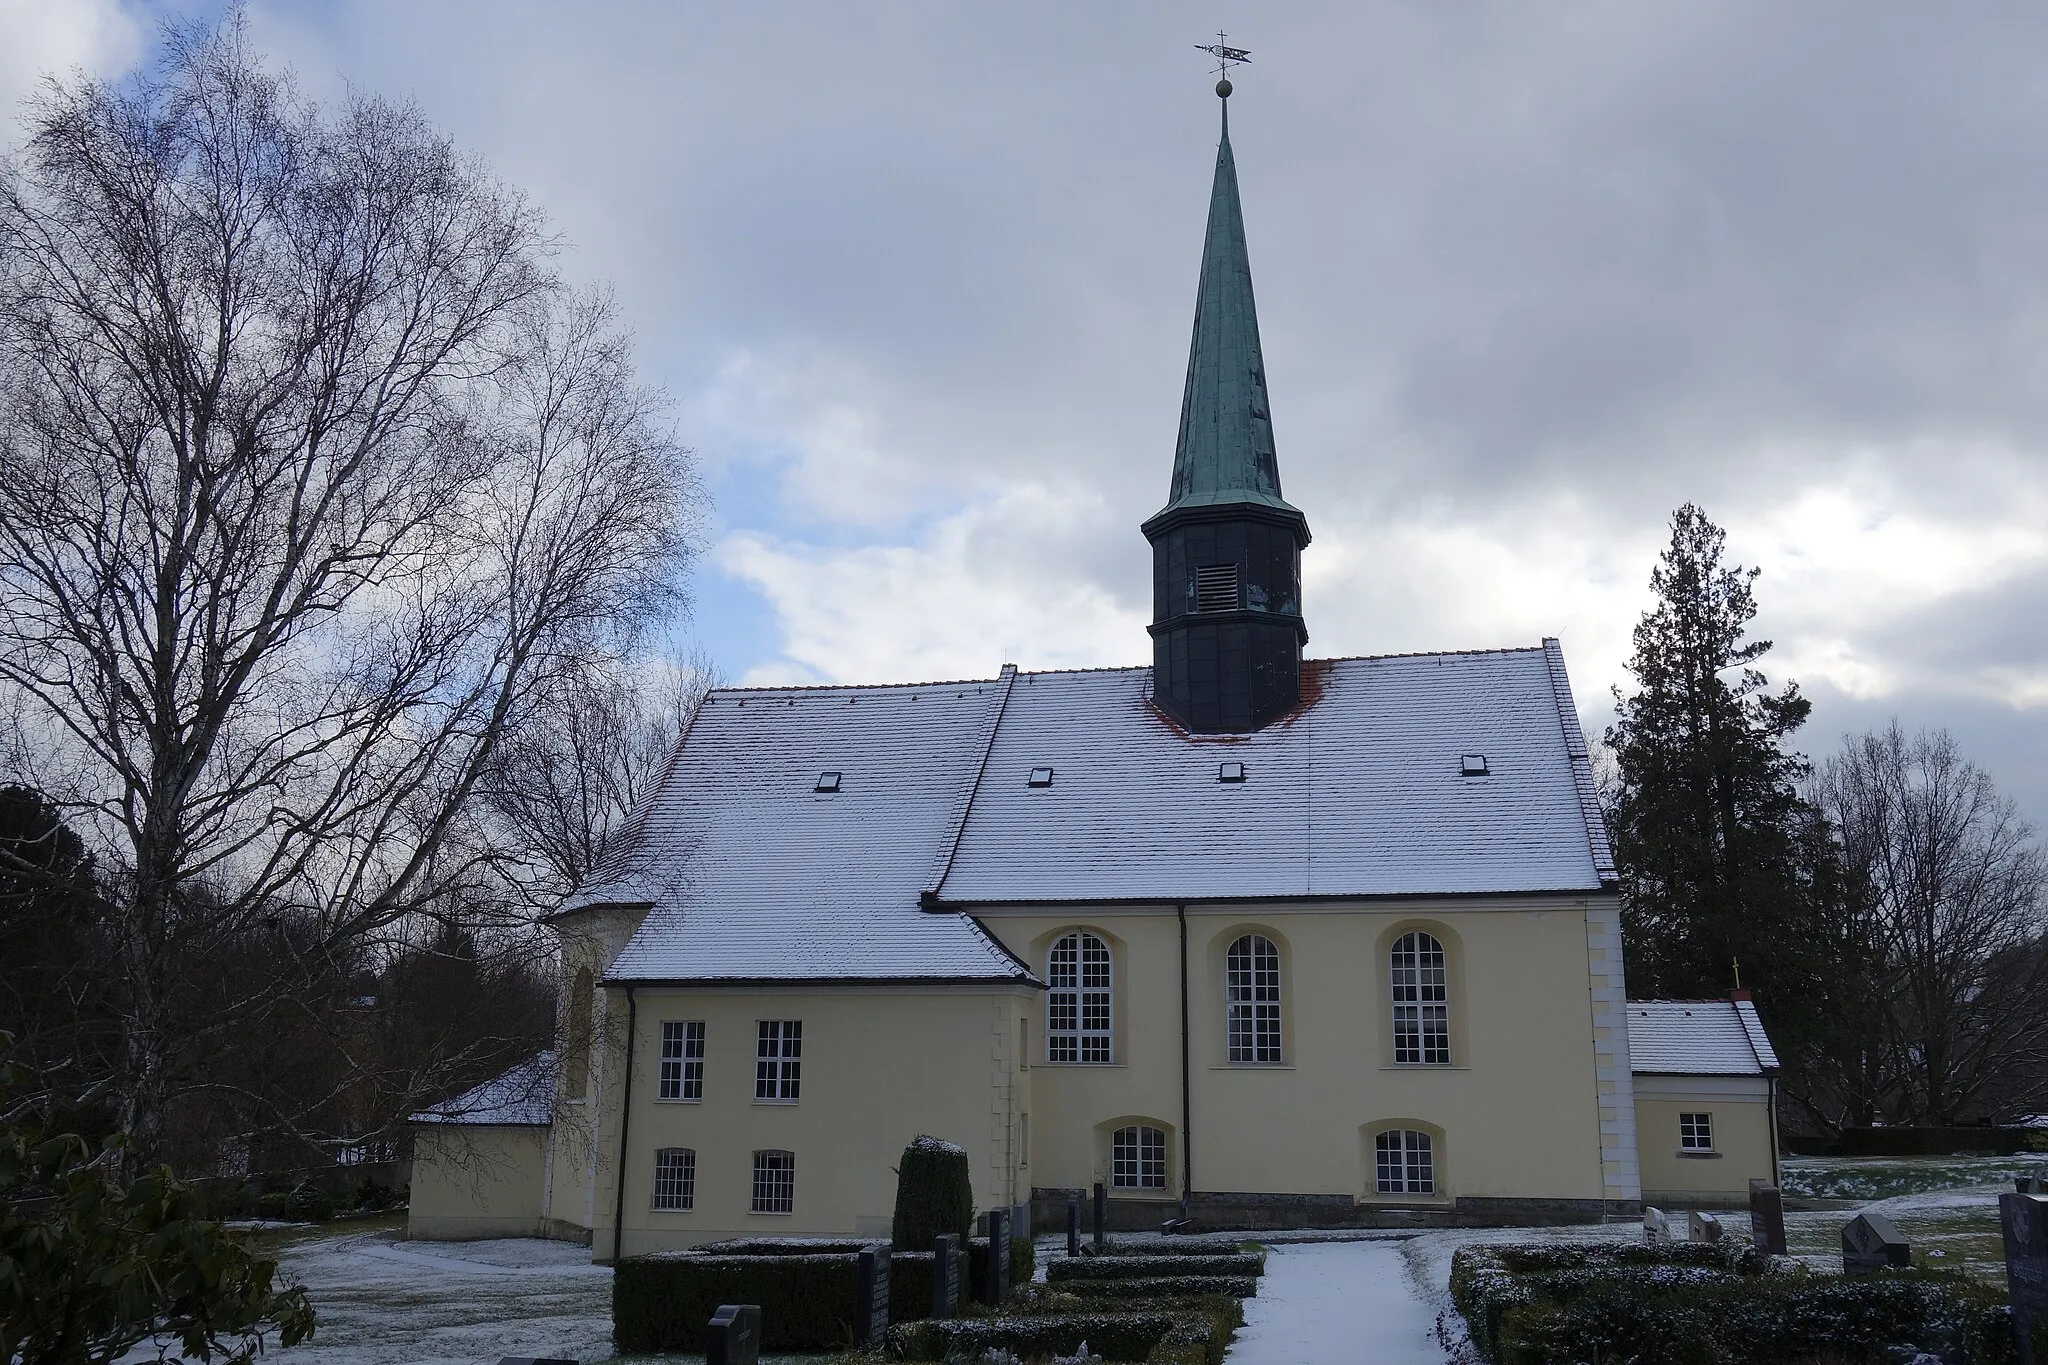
(1474, 765)
(1230, 771)
(827, 782)
(1040, 777)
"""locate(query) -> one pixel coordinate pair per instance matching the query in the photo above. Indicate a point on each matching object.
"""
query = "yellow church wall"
(1516, 1115)
(1741, 1127)
(880, 1066)
(476, 1180)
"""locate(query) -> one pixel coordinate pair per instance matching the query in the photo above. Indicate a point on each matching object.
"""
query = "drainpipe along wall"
(1187, 1134)
(625, 1125)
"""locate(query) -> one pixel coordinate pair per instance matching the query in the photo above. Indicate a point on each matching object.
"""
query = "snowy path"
(1335, 1303)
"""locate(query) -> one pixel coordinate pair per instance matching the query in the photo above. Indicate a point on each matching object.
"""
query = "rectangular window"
(682, 1059)
(774, 1182)
(1406, 1164)
(1696, 1132)
(1137, 1158)
(778, 1065)
(1077, 1017)
(1422, 1011)
(675, 1179)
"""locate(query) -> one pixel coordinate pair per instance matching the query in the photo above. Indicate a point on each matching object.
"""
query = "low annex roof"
(517, 1099)
(807, 833)
(1698, 1038)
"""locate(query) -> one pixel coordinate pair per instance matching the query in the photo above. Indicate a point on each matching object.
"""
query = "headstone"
(2023, 1218)
(2037, 1183)
(871, 1298)
(946, 1275)
(995, 1283)
(1655, 1231)
(1073, 1225)
(1101, 1217)
(1703, 1227)
(1870, 1243)
(735, 1336)
(1767, 1217)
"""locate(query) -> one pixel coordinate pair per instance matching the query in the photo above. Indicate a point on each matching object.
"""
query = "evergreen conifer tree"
(1708, 825)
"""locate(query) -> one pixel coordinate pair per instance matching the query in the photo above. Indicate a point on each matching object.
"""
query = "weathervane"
(1226, 57)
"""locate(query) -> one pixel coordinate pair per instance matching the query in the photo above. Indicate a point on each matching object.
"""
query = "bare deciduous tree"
(315, 484)
(1942, 921)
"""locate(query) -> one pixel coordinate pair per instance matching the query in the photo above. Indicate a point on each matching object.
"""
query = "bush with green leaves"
(92, 1264)
(1238, 1263)
(1701, 1305)
(934, 1194)
(665, 1302)
(1183, 1338)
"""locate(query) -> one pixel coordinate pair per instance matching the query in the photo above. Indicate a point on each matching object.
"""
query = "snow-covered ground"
(1333, 1303)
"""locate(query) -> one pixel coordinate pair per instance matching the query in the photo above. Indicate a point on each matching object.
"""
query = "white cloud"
(58, 37)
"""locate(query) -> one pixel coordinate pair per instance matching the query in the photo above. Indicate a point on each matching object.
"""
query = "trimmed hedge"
(1157, 1338)
(1164, 1286)
(1152, 1267)
(787, 1246)
(665, 1302)
(934, 1194)
(1702, 1305)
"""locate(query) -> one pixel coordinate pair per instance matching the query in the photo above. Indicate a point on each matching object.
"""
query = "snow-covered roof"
(1361, 793)
(1698, 1038)
(754, 873)
(518, 1098)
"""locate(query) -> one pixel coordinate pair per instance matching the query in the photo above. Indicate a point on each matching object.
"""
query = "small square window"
(1040, 777)
(1473, 765)
(1695, 1132)
(1233, 771)
(827, 782)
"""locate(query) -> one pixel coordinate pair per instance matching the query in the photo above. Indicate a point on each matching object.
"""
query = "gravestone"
(1703, 1227)
(1870, 1243)
(734, 1337)
(1767, 1217)
(1073, 1225)
(1101, 1217)
(995, 1276)
(946, 1275)
(1655, 1231)
(2023, 1218)
(2037, 1183)
(871, 1298)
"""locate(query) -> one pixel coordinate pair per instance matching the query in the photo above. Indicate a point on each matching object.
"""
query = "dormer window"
(827, 782)
(1230, 771)
(1216, 587)
(1473, 765)
(1040, 777)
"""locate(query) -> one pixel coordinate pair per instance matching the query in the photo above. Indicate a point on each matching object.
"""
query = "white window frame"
(1137, 1158)
(675, 1179)
(1418, 969)
(778, 1060)
(682, 1060)
(1080, 1004)
(774, 1182)
(1404, 1162)
(1696, 1131)
(1252, 1010)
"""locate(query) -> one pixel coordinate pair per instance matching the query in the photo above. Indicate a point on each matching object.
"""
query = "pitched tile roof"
(755, 875)
(1698, 1038)
(519, 1098)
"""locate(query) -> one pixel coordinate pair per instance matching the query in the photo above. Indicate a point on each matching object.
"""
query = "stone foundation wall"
(1226, 1212)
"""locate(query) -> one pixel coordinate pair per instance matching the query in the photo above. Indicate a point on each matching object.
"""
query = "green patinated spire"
(1225, 455)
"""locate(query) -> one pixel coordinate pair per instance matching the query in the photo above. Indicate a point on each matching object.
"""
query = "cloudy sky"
(919, 279)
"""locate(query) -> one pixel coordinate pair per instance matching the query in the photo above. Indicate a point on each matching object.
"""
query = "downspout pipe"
(1772, 1077)
(1187, 1136)
(625, 1125)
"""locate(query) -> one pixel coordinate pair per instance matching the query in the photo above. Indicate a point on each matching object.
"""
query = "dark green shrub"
(1022, 1263)
(276, 1205)
(787, 1246)
(663, 1302)
(309, 1204)
(1161, 1338)
(934, 1194)
(1163, 1286)
(1150, 1267)
(910, 1284)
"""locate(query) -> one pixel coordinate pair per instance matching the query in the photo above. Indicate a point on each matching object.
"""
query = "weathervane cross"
(1226, 56)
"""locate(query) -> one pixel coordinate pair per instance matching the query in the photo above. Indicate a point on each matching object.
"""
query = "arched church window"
(1252, 970)
(1406, 1162)
(576, 1041)
(1137, 1158)
(1077, 1027)
(1422, 1009)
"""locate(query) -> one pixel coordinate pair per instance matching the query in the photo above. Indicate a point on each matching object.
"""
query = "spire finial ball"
(1223, 90)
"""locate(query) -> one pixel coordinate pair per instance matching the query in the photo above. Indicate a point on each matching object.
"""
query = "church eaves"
(1225, 453)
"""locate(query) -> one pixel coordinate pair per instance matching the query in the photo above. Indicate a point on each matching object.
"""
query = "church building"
(1248, 938)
